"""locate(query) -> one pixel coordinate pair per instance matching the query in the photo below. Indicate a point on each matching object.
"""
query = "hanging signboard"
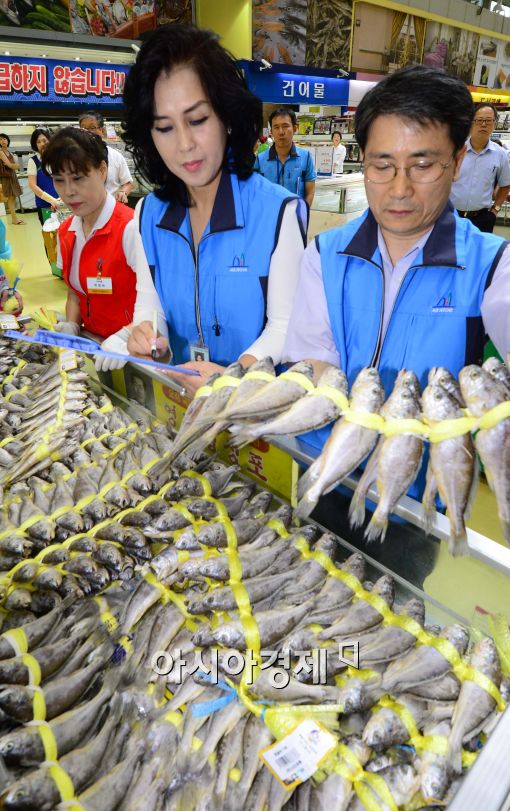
(49, 81)
(292, 88)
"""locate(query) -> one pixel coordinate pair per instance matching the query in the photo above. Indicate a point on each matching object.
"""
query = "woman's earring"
(229, 130)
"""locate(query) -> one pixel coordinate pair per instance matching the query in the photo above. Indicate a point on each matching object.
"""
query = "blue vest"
(436, 318)
(44, 182)
(293, 174)
(223, 289)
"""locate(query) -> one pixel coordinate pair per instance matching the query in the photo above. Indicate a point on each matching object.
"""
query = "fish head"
(434, 781)
(351, 697)
(480, 389)
(367, 391)
(438, 404)
(415, 609)
(402, 403)
(402, 781)
(203, 637)
(211, 535)
(227, 636)
(379, 733)
(235, 370)
(385, 588)
(335, 378)
(360, 749)
(458, 636)
(408, 379)
(20, 796)
(303, 367)
(355, 564)
(485, 657)
(263, 365)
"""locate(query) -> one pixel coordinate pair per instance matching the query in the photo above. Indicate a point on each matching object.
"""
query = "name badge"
(99, 284)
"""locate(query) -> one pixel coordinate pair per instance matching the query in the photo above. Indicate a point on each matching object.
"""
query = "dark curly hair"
(78, 150)
(240, 111)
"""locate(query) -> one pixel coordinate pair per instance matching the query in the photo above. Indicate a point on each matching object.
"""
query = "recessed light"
(43, 56)
(77, 59)
(108, 60)
(7, 53)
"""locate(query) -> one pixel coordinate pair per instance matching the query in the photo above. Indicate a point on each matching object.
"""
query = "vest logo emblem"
(444, 305)
(238, 264)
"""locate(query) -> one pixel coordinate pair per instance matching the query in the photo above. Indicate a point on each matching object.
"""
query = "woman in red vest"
(99, 249)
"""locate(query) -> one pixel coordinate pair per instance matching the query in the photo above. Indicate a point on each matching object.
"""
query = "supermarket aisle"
(38, 286)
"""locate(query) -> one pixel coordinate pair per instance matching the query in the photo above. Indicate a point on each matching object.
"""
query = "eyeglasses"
(421, 172)
(484, 120)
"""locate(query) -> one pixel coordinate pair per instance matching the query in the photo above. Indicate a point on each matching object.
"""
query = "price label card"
(297, 756)
(68, 360)
(99, 284)
(8, 321)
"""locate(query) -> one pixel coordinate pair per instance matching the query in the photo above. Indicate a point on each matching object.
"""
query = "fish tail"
(357, 510)
(239, 440)
(306, 506)
(454, 753)
(457, 542)
(377, 527)
(505, 526)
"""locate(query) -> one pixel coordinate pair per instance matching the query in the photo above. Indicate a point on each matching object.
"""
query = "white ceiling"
(33, 49)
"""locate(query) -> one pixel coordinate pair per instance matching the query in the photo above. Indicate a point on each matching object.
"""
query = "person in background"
(10, 183)
(285, 163)
(40, 182)
(263, 145)
(119, 181)
(339, 153)
(99, 249)
(223, 244)
(485, 167)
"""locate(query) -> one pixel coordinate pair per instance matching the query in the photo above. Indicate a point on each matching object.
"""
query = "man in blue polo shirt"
(484, 169)
(285, 163)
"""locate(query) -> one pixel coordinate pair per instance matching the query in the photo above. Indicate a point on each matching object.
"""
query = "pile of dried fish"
(392, 433)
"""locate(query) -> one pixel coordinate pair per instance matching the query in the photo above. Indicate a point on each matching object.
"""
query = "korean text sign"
(290, 88)
(43, 81)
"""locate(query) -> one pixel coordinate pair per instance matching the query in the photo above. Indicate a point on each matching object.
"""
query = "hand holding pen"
(145, 342)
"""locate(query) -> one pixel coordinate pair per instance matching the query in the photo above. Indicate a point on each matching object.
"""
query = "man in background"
(484, 178)
(285, 163)
(118, 181)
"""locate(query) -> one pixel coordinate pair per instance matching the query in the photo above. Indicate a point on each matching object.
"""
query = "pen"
(154, 348)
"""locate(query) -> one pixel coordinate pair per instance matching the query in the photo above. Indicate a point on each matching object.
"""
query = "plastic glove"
(69, 327)
(115, 343)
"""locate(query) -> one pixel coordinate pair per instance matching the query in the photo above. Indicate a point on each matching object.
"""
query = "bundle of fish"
(392, 433)
(125, 737)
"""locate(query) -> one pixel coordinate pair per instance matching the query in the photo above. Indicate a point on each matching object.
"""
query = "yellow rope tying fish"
(337, 397)
(299, 378)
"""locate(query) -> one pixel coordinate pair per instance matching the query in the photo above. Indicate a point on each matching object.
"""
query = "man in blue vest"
(409, 284)
(285, 163)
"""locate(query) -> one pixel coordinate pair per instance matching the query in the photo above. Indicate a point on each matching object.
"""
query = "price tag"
(99, 284)
(297, 756)
(8, 321)
(68, 360)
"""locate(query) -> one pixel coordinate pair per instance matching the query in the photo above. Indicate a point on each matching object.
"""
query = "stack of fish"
(154, 572)
(392, 434)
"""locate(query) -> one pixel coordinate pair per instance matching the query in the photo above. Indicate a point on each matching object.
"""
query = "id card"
(99, 284)
(197, 352)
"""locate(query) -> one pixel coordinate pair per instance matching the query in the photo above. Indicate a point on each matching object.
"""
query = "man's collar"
(273, 154)
(440, 248)
(488, 145)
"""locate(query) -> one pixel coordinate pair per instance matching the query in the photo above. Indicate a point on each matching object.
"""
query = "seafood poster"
(328, 34)
(126, 19)
(279, 30)
(493, 64)
(452, 49)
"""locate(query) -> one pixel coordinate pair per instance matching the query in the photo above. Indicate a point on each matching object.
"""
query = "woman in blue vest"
(223, 244)
(41, 183)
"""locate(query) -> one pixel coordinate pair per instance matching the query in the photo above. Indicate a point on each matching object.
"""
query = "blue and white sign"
(293, 88)
(49, 81)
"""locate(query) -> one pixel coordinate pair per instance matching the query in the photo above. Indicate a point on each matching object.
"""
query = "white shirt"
(480, 173)
(31, 167)
(135, 257)
(282, 284)
(118, 172)
(339, 153)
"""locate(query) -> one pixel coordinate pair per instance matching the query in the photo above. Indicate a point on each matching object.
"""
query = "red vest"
(102, 313)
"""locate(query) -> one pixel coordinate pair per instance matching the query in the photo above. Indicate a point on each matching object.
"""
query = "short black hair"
(336, 132)
(487, 104)
(35, 135)
(170, 46)
(4, 135)
(92, 114)
(283, 111)
(421, 94)
(78, 150)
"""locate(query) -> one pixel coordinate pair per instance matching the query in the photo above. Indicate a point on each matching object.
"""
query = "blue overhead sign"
(294, 88)
(50, 81)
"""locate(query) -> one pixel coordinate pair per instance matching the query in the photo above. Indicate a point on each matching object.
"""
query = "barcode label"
(296, 757)
(68, 360)
(8, 321)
